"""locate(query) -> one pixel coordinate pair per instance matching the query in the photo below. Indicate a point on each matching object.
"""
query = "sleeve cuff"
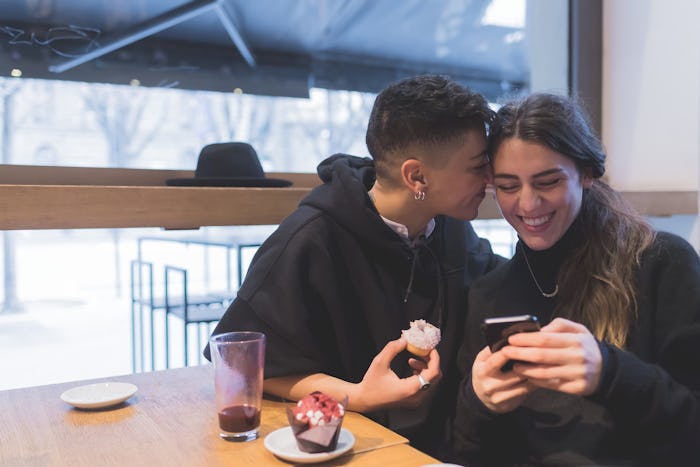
(477, 408)
(608, 368)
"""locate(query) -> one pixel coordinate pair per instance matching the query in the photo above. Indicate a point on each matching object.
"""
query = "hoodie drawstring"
(420, 243)
(417, 244)
(440, 302)
(409, 288)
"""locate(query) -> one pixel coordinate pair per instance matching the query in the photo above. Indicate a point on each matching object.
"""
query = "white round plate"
(99, 395)
(282, 444)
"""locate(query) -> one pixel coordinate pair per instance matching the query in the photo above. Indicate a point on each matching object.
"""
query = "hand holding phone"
(497, 330)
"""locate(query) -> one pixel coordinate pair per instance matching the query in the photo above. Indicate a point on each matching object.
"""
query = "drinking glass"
(239, 360)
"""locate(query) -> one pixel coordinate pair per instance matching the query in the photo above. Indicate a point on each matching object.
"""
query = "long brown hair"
(597, 281)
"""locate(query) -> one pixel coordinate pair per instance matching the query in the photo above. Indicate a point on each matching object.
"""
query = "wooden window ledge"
(43, 197)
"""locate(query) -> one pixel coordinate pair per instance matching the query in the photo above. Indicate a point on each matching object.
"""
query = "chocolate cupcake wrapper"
(322, 438)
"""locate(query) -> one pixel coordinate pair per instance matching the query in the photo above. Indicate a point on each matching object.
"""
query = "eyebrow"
(537, 175)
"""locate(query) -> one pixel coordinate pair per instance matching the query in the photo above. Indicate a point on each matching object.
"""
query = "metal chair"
(145, 305)
(200, 310)
(139, 302)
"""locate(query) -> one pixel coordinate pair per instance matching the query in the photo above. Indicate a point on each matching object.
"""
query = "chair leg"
(142, 326)
(167, 340)
(199, 344)
(133, 336)
(184, 326)
(153, 344)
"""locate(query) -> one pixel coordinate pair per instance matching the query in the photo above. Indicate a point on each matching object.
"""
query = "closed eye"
(507, 187)
(549, 183)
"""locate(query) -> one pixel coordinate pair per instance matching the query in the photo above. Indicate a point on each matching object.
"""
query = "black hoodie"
(333, 284)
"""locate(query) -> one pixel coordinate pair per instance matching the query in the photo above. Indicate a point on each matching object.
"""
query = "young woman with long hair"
(613, 377)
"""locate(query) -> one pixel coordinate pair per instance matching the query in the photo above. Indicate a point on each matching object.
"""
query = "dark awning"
(271, 47)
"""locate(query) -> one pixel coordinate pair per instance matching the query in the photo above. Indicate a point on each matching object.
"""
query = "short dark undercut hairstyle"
(426, 110)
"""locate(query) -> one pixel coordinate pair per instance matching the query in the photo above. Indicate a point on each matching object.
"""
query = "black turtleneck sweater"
(646, 410)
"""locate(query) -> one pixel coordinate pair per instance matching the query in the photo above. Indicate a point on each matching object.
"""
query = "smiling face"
(538, 190)
(457, 187)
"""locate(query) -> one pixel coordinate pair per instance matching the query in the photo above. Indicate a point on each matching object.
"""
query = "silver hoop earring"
(419, 195)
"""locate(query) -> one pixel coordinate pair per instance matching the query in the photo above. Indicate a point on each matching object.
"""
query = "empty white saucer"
(99, 395)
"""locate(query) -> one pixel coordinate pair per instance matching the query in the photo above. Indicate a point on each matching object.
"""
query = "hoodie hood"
(344, 197)
(362, 168)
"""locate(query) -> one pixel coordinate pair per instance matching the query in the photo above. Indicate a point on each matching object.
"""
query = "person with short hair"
(382, 242)
(613, 376)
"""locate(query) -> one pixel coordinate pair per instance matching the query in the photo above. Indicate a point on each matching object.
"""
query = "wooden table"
(170, 421)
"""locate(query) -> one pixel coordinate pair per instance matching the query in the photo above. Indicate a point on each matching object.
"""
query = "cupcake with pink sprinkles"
(315, 421)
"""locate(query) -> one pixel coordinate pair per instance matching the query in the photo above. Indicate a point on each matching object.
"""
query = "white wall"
(651, 93)
(651, 100)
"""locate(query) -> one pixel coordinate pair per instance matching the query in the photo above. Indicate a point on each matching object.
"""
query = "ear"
(413, 174)
(587, 178)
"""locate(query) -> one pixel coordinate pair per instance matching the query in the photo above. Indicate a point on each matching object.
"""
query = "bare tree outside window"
(120, 112)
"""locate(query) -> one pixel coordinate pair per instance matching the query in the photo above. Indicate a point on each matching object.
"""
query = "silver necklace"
(532, 274)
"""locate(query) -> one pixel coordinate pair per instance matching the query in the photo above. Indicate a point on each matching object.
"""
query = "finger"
(406, 387)
(410, 386)
(433, 360)
(432, 373)
(495, 362)
(542, 372)
(511, 393)
(544, 355)
(390, 351)
(484, 354)
(564, 325)
(493, 371)
(417, 364)
(562, 373)
(492, 386)
(577, 386)
(548, 383)
(545, 339)
(502, 382)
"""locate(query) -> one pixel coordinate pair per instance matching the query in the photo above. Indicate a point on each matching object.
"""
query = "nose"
(529, 199)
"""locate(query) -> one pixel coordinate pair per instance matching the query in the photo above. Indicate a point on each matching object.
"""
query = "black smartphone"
(497, 330)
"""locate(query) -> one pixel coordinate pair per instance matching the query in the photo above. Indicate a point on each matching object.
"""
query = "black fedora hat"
(229, 164)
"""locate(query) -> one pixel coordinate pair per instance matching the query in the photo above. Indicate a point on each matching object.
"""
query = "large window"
(102, 125)
(156, 101)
